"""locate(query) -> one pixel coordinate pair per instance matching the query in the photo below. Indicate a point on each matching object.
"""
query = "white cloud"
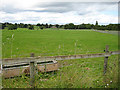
(35, 11)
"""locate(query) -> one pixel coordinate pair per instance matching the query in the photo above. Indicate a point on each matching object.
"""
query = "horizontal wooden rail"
(20, 61)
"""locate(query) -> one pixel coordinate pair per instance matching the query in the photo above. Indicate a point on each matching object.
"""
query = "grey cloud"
(54, 4)
(57, 7)
(62, 7)
(10, 9)
(52, 9)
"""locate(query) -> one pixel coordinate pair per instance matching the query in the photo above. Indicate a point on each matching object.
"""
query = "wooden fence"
(32, 60)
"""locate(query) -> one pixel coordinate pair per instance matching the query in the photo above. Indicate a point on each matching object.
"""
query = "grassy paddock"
(55, 42)
(80, 73)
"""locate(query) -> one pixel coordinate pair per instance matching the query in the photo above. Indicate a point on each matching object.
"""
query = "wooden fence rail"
(19, 61)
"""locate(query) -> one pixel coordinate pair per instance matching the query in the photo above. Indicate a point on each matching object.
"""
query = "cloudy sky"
(60, 12)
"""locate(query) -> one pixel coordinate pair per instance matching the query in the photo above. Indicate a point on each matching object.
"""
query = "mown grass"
(55, 42)
(81, 73)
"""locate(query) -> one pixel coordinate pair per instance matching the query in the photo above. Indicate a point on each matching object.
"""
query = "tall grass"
(80, 73)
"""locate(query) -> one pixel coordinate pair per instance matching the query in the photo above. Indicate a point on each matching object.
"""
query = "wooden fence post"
(32, 72)
(106, 59)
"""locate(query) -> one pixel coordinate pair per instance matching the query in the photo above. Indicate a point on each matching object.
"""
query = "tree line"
(11, 26)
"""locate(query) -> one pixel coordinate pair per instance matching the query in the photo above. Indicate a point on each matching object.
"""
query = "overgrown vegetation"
(81, 73)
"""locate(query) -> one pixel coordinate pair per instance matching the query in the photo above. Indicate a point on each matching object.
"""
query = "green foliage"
(110, 27)
(21, 25)
(38, 24)
(57, 25)
(66, 26)
(50, 25)
(69, 26)
(41, 27)
(12, 27)
(2, 26)
(26, 26)
(46, 25)
(31, 27)
(96, 23)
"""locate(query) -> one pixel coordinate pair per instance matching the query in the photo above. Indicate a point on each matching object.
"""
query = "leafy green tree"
(82, 26)
(21, 25)
(38, 24)
(41, 27)
(25, 26)
(96, 23)
(31, 27)
(88, 26)
(50, 25)
(46, 25)
(12, 27)
(56, 25)
(2, 25)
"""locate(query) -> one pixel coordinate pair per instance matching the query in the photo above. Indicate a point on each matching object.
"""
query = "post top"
(32, 55)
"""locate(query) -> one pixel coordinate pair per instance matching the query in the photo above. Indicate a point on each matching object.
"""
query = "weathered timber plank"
(18, 71)
(49, 58)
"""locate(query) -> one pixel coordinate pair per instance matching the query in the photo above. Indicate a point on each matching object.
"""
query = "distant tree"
(2, 25)
(82, 26)
(96, 23)
(31, 27)
(113, 27)
(88, 26)
(66, 26)
(61, 26)
(71, 26)
(46, 25)
(42, 24)
(50, 25)
(92, 25)
(12, 27)
(41, 27)
(6, 23)
(25, 26)
(16, 24)
(56, 25)
(21, 25)
(38, 24)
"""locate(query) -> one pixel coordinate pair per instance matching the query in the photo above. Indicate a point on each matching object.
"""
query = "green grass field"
(55, 42)
(80, 73)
